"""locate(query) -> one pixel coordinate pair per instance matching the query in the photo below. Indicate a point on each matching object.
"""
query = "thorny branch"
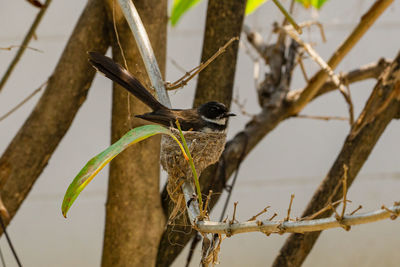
(278, 105)
(300, 226)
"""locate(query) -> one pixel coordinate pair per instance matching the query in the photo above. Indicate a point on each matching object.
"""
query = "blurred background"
(293, 159)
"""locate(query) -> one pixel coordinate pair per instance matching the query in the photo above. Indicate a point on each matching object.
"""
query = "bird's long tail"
(118, 74)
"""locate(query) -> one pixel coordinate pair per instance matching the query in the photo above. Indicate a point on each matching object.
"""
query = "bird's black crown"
(214, 110)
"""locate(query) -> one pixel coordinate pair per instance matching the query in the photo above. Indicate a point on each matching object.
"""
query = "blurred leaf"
(180, 7)
(35, 3)
(315, 3)
(252, 5)
(98, 162)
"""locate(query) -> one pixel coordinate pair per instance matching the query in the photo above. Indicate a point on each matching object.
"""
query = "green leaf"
(252, 5)
(180, 7)
(98, 162)
(315, 3)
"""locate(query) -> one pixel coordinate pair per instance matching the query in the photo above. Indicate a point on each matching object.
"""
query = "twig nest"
(205, 148)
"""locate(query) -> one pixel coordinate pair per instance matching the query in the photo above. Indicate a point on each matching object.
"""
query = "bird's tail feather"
(118, 74)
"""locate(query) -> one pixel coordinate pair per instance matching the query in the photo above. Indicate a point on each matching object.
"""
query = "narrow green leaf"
(179, 8)
(252, 5)
(90, 170)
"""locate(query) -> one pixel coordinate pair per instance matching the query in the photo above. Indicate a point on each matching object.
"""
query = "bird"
(210, 117)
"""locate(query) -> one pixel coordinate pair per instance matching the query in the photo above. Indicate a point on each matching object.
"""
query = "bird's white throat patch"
(221, 121)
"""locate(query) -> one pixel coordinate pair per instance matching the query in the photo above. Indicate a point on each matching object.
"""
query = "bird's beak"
(226, 115)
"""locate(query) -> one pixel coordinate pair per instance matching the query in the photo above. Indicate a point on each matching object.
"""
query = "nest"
(205, 148)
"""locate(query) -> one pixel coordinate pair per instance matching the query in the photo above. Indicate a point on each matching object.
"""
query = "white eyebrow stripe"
(221, 121)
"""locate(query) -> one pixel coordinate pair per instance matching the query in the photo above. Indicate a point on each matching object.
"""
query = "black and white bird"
(209, 117)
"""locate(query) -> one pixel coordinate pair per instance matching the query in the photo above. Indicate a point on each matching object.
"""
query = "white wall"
(292, 159)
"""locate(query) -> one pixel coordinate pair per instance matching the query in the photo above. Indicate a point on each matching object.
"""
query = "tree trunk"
(134, 217)
(355, 151)
(224, 21)
(30, 150)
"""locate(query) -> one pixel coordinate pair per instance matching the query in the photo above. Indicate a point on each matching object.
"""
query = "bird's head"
(215, 112)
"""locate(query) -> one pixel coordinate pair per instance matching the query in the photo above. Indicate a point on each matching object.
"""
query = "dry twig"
(357, 209)
(325, 118)
(24, 44)
(189, 75)
(290, 207)
(260, 213)
(26, 99)
(318, 59)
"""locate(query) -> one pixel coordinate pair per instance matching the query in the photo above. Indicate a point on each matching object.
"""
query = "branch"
(216, 176)
(20, 104)
(324, 66)
(354, 153)
(369, 71)
(133, 206)
(367, 20)
(146, 51)
(24, 43)
(32, 147)
(280, 227)
(224, 21)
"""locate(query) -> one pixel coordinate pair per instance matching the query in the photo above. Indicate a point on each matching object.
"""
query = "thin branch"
(24, 44)
(260, 213)
(20, 104)
(14, 252)
(273, 227)
(354, 153)
(357, 209)
(188, 76)
(9, 48)
(318, 59)
(30, 150)
(372, 70)
(325, 118)
(321, 211)
(288, 16)
(367, 20)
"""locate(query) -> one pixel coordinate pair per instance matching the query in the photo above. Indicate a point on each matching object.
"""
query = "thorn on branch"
(290, 208)
(260, 213)
(394, 214)
(357, 209)
(234, 213)
(273, 216)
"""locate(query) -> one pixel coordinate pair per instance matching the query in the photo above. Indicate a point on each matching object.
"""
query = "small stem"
(288, 16)
(196, 179)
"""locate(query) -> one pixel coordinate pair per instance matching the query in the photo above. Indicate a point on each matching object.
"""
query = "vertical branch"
(354, 153)
(224, 21)
(134, 217)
